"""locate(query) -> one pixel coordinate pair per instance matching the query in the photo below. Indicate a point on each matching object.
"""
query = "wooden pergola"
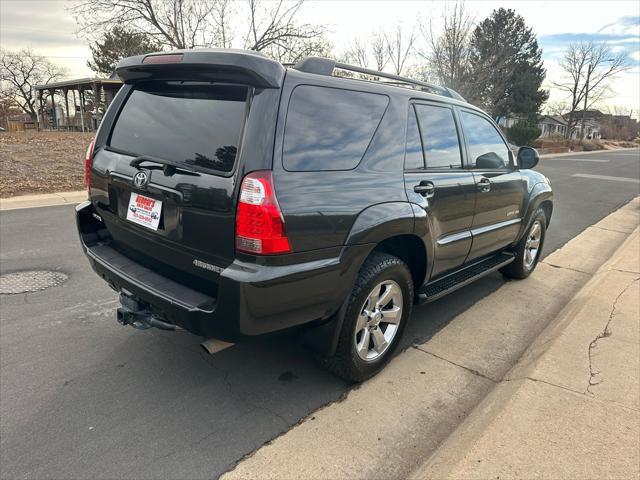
(103, 92)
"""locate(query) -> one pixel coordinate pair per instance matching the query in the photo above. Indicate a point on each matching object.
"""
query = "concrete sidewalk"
(571, 407)
(42, 200)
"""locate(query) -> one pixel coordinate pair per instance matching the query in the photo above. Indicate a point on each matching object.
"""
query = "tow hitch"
(132, 312)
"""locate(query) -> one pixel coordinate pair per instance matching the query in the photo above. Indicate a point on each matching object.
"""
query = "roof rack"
(326, 66)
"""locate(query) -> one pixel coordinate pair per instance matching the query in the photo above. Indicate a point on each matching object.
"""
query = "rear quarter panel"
(321, 207)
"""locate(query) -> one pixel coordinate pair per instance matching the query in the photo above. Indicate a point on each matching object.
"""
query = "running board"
(445, 285)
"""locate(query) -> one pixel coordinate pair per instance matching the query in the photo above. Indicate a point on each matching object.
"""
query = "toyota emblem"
(140, 179)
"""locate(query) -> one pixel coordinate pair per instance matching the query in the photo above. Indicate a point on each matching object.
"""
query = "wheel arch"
(541, 196)
(389, 227)
(411, 250)
(385, 227)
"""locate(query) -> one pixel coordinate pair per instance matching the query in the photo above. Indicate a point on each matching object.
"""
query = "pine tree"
(116, 45)
(506, 67)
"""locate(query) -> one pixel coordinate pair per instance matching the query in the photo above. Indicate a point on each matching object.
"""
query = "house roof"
(84, 83)
(554, 119)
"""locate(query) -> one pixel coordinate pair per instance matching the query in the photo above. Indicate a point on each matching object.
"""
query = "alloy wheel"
(378, 320)
(532, 245)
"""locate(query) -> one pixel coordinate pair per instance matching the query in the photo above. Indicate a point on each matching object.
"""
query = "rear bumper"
(250, 300)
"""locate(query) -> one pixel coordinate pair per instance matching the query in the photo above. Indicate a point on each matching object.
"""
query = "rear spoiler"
(226, 65)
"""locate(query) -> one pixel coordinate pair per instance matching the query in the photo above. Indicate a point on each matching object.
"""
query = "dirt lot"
(41, 162)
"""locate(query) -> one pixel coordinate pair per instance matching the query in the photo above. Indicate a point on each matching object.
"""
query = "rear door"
(500, 186)
(436, 181)
(173, 147)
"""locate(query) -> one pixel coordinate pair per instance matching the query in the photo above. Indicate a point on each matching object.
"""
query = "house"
(591, 130)
(508, 121)
(551, 125)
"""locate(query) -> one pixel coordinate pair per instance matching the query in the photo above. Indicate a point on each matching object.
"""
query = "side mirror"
(527, 157)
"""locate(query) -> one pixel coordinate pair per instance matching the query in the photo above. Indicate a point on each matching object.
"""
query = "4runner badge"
(207, 266)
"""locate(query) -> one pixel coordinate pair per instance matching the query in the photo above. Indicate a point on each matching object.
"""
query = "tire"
(525, 264)
(388, 276)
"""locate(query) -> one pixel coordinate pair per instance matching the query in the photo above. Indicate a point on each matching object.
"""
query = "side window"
(486, 147)
(329, 128)
(413, 158)
(439, 137)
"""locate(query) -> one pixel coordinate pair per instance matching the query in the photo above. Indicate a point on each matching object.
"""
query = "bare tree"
(223, 13)
(275, 26)
(174, 23)
(357, 54)
(272, 27)
(20, 71)
(588, 69)
(273, 30)
(399, 48)
(296, 49)
(447, 52)
(379, 51)
(619, 110)
(558, 107)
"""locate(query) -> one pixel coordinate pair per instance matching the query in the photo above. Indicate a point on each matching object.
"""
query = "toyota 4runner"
(232, 196)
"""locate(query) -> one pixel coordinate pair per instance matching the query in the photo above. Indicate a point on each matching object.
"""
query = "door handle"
(426, 189)
(484, 185)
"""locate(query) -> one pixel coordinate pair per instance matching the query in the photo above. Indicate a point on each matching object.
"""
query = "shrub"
(523, 133)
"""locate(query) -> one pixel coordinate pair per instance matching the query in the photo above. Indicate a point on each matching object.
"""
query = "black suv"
(233, 197)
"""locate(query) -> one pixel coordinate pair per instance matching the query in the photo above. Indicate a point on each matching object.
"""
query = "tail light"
(87, 163)
(259, 223)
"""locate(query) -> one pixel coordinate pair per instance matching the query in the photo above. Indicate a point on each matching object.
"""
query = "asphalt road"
(83, 397)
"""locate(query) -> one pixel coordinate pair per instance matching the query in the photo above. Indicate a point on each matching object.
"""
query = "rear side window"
(329, 128)
(199, 124)
(439, 137)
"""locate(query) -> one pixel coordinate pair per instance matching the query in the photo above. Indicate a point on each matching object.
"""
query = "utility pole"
(586, 94)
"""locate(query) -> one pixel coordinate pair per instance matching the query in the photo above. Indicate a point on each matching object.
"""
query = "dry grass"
(41, 162)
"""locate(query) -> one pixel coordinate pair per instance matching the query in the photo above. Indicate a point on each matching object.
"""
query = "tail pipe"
(213, 345)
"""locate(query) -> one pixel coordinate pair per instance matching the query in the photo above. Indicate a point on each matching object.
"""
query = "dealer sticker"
(144, 211)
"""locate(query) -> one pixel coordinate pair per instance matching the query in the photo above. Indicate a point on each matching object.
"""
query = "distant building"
(591, 130)
(93, 97)
(591, 115)
(552, 125)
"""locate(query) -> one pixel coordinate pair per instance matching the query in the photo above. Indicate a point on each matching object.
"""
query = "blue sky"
(626, 39)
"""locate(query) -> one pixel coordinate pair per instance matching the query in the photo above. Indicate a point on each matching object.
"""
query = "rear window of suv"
(199, 124)
(329, 128)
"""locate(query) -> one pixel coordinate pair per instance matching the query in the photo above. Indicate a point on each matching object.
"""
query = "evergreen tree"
(116, 45)
(506, 67)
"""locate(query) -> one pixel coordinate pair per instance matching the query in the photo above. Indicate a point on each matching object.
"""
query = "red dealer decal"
(144, 211)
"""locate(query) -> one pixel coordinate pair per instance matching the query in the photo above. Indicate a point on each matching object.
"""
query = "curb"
(42, 200)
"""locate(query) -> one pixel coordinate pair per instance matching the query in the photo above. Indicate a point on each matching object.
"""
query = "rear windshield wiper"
(169, 166)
